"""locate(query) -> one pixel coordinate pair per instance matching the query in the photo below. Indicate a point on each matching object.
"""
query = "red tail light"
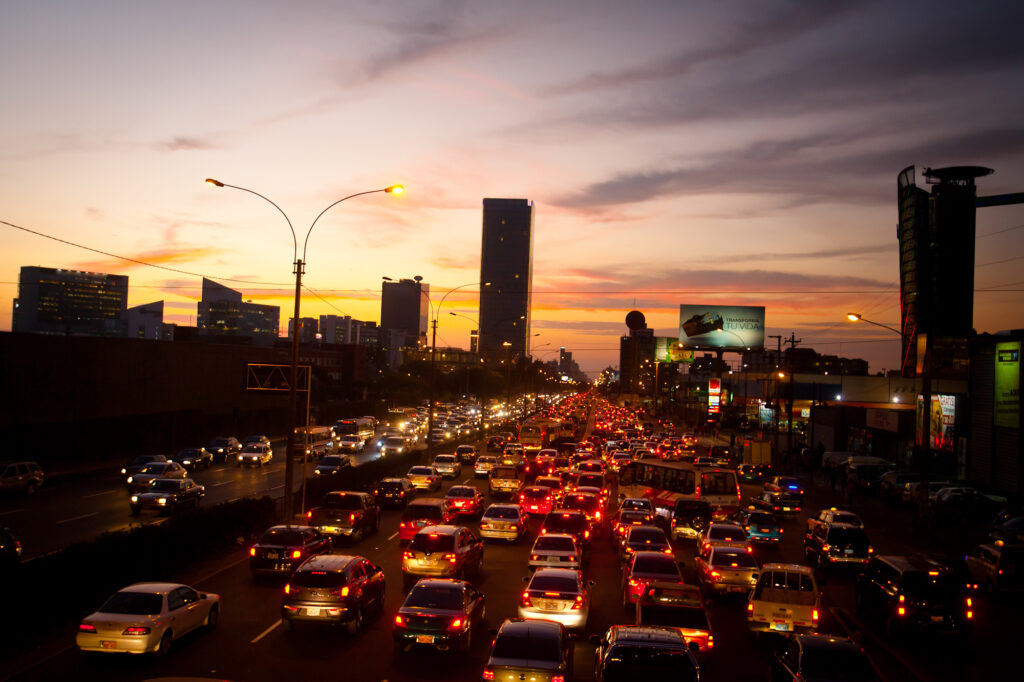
(86, 627)
(450, 558)
(715, 575)
(287, 588)
(489, 674)
(297, 554)
(309, 514)
(252, 551)
(342, 591)
(750, 550)
(814, 615)
(399, 621)
(456, 624)
(578, 604)
(407, 555)
(524, 599)
(136, 631)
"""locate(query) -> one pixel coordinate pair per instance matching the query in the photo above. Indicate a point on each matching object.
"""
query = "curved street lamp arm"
(295, 244)
(350, 196)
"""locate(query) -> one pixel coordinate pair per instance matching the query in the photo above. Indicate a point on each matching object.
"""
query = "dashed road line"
(77, 518)
(12, 511)
(217, 485)
(266, 632)
(393, 536)
(105, 492)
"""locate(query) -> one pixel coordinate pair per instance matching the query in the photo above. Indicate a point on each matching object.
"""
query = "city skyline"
(672, 153)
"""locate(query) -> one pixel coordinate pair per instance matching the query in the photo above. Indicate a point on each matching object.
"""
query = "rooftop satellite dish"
(418, 278)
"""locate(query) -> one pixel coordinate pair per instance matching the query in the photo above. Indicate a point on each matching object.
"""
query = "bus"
(666, 482)
(534, 436)
(360, 426)
(317, 441)
(401, 418)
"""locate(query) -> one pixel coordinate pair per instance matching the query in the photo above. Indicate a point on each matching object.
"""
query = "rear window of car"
(847, 536)
(461, 491)
(501, 513)
(503, 472)
(524, 647)
(422, 511)
(643, 534)
(390, 485)
(726, 534)
(444, 459)
(554, 583)
(656, 564)
(421, 471)
(431, 597)
(318, 578)
(922, 586)
(536, 493)
(133, 603)
(722, 559)
(554, 544)
(332, 461)
(586, 503)
(674, 616)
(285, 537)
(832, 664)
(595, 480)
(761, 519)
(432, 542)
(571, 523)
(627, 663)
(350, 502)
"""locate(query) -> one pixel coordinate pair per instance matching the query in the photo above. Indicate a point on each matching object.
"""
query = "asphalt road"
(249, 643)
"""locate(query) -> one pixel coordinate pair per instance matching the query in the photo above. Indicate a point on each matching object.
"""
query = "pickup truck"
(346, 513)
(504, 481)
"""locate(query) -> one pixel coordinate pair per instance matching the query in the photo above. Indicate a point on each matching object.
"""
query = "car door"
(359, 586)
(375, 581)
(177, 615)
(195, 614)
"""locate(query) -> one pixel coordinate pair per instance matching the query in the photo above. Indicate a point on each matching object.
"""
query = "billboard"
(668, 349)
(941, 422)
(1007, 382)
(714, 395)
(721, 327)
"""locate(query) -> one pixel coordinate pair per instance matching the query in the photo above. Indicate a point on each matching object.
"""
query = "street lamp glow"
(853, 317)
(215, 183)
(394, 189)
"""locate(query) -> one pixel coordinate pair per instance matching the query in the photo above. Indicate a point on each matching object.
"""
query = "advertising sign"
(668, 349)
(1007, 381)
(721, 327)
(941, 422)
(714, 395)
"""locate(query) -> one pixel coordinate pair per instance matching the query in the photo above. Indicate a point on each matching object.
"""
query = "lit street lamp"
(299, 264)
(856, 317)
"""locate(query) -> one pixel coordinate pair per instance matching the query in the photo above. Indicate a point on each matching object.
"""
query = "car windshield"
(331, 461)
(461, 491)
(527, 648)
(134, 603)
(161, 486)
(421, 471)
(836, 664)
(626, 663)
(660, 563)
(554, 583)
(554, 544)
(285, 537)
(431, 597)
(318, 579)
(422, 511)
(349, 502)
(646, 534)
(432, 542)
(502, 513)
(568, 523)
(733, 560)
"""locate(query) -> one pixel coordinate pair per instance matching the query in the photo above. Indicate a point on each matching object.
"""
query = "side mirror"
(203, 595)
(591, 583)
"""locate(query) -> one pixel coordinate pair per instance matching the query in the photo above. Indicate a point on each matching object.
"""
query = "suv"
(423, 512)
(634, 652)
(394, 492)
(342, 512)
(785, 599)
(690, 518)
(538, 648)
(837, 543)
(504, 480)
(332, 589)
(998, 567)
(912, 592)
(442, 552)
(570, 522)
(223, 447)
(466, 453)
(20, 477)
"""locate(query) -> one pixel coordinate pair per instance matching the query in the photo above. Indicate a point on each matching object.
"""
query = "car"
(530, 649)
(556, 550)
(441, 613)
(22, 477)
(393, 445)
(536, 499)
(673, 604)
(726, 570)
(618, 459)
(282, 549)
(139, 463)
(997, 568)
(749, 473)
(495, 443)
(167, 495)
(483, 465)
(442, 552)
(591, 505)
(907, 593)
(629, 518)
(892, 483)
(254, 454)
(820, 657)
(644, 538)
(504, 522)
(558, 594)
(646, 567)
(761, 527)
(725, 535)
(447, 466)
(331, 465)
(644, 652)
(638, 504)
(10, 549)
(555, 484)
(394, 492)
(351, 442)
(777, 502)
(333, 589)
(222, 447)
(690, 518)
(836, 544)
(346, 513)
(784, 484)
(785, 599)
(703, 461)
(567, 521)
(834, 515)
(465, 500)
(140, 481)
(466, 453)
(146, 618)
(423, 512)
(255, 439)
(424, 478)
(194, 459)
(504, 480)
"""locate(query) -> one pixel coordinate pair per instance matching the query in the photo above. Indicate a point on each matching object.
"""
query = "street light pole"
(299, 269)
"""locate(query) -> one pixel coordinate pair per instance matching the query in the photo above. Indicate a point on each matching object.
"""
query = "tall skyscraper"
(506, 261)
(339, 329)
(222, 312)
(55, 301)
(404, 308)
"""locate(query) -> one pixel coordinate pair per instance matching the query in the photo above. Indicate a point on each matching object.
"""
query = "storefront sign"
(1007, 382)
(883, 420)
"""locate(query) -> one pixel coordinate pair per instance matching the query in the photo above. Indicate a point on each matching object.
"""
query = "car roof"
(520, 627)
(331, 562)
(914, 563)
(441, 582)
(555, 535)
(440, 530)
(152, 588)
(653, 635)
(787, 567)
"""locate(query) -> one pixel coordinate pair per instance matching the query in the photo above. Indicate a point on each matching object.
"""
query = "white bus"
(665, 482)
(360, 426)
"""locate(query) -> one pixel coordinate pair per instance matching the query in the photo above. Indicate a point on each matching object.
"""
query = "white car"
(447, 465)
(557, 550)
(146, 618)
(557, 594)
(350, 443)
(255, 454)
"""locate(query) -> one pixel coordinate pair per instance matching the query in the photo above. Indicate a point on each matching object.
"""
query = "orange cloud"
(164, 256)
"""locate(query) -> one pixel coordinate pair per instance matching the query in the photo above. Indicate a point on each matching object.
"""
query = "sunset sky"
(742, 153)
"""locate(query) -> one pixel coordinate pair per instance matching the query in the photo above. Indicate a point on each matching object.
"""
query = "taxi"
(761, 526)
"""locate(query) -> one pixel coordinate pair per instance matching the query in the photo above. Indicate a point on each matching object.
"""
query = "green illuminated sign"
(1007, 384)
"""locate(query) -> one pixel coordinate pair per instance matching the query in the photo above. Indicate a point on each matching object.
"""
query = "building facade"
(506, 261)
(70, 302)
(404, 308)
(339, 329)
(223, 313)
(147, 322)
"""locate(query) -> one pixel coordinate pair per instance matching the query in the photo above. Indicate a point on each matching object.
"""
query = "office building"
(70, 302)
(404, 308)
(339, 329)
(308, 329)
(506, 261)
(223, 313)
(147, 322)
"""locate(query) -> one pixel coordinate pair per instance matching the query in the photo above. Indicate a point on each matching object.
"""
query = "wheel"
(164, 647)
(356, 624)
(214, 615)
(360, 534)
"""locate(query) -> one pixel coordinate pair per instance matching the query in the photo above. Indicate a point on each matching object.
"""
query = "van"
(786, 599)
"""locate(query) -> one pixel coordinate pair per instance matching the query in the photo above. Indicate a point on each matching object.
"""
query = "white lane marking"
(105, 492)
(265, 632)
(13, 511)
(277, 486)
(216, 485)
(76, 518)
(233, 499)
(392, 537)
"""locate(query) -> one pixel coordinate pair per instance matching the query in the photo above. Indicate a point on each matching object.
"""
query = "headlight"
(135, 498)
(161, 500)
(131, 478)
(240, 458)
(186, 462)
(316, 472)
(124, 471)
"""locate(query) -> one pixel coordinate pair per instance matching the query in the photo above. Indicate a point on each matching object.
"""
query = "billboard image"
(941, 422)
(1007, 380)
(723, 327)
(668, 349)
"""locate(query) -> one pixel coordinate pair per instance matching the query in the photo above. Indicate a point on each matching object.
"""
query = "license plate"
(312, 612)
(272, 555)
(737, 588)
(937, 619)
(848, 552)
(331, 529)
(424, 639)
(782, 627)
(108, 644)
(766, 530)
(786, 509)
